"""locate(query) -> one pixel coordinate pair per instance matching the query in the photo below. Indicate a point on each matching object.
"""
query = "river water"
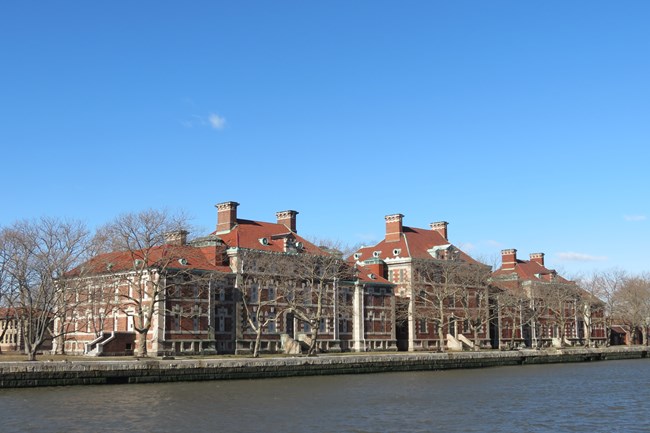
(609, 396)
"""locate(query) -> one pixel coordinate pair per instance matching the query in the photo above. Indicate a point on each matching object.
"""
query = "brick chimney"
(508, 258)
(226, 216)
(177, 237)
(376, 266)
(440, 227)
(288, 218)
(394, 227)
(537, 258)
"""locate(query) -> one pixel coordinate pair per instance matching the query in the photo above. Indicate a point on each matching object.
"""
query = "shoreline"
(24, 374)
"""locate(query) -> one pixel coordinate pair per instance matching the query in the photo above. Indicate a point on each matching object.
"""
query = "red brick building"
(539, 308)
(246, 284)
(441, 296)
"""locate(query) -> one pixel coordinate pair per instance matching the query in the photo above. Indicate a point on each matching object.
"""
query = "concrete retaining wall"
(43, 373)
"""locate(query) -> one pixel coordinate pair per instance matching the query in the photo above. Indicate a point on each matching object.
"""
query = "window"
(343, 324)
(177, 322)
(322, 326)
(423, 326)
(221, 319)
(253, 293)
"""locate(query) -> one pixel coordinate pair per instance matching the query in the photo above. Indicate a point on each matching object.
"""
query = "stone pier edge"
(43, 373)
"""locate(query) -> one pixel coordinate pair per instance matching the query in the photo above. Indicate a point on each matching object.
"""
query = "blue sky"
(523, 124)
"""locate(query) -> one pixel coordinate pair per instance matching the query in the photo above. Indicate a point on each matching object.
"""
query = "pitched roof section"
(367, 276)
(413, 243)
(264, 236)
(529, 270)
(182, 257)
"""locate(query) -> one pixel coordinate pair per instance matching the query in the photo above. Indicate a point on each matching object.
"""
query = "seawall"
(97, 372)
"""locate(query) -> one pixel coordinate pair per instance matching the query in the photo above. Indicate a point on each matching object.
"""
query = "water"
(612, 396)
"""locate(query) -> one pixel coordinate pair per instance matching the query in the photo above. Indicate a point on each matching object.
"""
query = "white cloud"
(570, 256)
(213, 120)
(216, 121)
(367, 237)
(635, 217)
(467, 246)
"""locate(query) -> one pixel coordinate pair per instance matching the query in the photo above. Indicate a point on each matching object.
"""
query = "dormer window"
(397, 251)
(264, 241)
(357, 256)
(376, 254)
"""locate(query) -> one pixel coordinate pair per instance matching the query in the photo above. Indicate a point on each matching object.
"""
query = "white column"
(357, 319)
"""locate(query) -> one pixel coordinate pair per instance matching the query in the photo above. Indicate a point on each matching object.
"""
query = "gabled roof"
(181, 257)
(367, 276)
(413, 243)
(264, 236)
(528, 270)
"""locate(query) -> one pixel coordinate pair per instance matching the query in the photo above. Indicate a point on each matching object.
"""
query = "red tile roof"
(257, 235)
(413, 243)
(365, 275)
(529, 270)
(249, 234)
(183, 257)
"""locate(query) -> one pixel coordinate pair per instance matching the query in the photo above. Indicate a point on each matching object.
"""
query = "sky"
(523, 124)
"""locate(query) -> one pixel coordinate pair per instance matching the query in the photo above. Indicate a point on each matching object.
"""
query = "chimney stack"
(537, 258)
(287, 218)
(177, 237)
(508, 258)
(440, 227)
(394, 227)
(376, 266)
(226, 216)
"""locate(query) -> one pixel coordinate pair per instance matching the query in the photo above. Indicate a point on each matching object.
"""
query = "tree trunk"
(142, 344)
(441, 335)
(314, 338)
(258, 340)
(441, 331)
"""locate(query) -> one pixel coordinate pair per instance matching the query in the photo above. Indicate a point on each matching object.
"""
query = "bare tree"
(633, 306)
(516, 313)
(443, 292)
(261, 293)
(591, 308)
(478, 299)
(7, 288)
(313, 296)
(141, 237)
(557, 301)
(38, 255)
(606, 285)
